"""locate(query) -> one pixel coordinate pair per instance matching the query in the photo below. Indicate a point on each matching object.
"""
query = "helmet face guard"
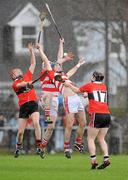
(59, 78)
(16, 74)
(53, 64)
(98, 76)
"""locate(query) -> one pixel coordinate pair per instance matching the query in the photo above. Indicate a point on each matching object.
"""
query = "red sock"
(78, 140)
(44, 143)
(38, 142)
(66, 145)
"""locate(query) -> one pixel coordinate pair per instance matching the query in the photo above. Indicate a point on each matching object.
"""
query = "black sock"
(93, 158)
(106, 158)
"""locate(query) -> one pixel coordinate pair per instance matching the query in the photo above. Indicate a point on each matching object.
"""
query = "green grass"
(57, 167)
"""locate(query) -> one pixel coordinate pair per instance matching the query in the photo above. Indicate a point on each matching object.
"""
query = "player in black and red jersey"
(99, 116)
(22, 85)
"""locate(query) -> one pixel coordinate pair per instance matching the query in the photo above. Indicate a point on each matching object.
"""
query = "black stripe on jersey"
(99, 98)
(90, 96)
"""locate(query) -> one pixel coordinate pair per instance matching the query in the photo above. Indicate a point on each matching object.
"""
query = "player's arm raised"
(72, 71)
(44, 57)
(61, 56)
(32, 58)
(60, 51)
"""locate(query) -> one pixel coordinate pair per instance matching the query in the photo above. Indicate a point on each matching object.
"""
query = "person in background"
(2, 124)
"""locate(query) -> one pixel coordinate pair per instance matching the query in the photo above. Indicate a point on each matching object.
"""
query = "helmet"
(98, 76)
(16, 74)
(53, 64)
(56, 66)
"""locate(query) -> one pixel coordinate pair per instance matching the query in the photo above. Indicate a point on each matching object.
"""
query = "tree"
(118, 22)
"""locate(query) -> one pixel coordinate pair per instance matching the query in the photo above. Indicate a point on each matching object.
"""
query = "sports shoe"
(94, 165)
(40, 152)
(17, 153)
(67, 154)
(79, 147)
(104, 165)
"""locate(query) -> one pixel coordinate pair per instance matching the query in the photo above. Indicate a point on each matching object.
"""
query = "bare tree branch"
(121, 61)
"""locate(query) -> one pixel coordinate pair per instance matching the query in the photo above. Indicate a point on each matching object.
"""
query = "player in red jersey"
(72, 103)
(22, 85)
(99, 116)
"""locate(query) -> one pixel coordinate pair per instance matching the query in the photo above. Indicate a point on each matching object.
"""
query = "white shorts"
(73, 104)
(52, 104)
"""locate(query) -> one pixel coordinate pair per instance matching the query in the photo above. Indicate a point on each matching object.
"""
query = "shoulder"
(86, 87)
(89, 84)
(28, 75)
(14, 84)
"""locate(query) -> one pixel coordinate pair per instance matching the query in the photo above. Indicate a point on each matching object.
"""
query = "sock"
(78, 140)
(106, 158)
(93, 159)
(66, 145)
(44, 143)
(38, 142)
(18, 145)
(47, 114)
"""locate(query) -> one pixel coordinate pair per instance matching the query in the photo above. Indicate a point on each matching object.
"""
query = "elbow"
(33, 64)
(77, 91)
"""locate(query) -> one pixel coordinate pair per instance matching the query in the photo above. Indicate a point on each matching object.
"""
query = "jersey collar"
(97, 82)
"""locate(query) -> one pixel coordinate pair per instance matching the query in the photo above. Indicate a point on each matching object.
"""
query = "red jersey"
(24, 94)
(97, 95)
(47, 84)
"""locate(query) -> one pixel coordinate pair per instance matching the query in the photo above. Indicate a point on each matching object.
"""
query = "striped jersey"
(97, 95)
(47, 84)
(59, 85)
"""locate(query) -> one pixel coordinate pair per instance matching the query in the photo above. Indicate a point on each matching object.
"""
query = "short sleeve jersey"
(47, 84)
(97, 95)
(25, 95)
(58, 84)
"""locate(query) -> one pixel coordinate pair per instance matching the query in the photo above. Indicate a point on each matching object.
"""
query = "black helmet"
(98, 76)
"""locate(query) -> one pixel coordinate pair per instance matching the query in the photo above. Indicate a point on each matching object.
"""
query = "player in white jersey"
(72, 103)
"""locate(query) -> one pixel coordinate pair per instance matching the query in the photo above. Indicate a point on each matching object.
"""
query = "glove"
(29, 86)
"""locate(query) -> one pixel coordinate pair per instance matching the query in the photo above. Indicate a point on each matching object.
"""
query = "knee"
(36, 124)
(69, 127)
(82, 124)
(90, 139)
(100, 140)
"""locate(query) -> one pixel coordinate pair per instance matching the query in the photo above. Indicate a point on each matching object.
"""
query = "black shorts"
(27, 109)
(99, 120)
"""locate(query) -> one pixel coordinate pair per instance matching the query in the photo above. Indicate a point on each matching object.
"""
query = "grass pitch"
(57, 167)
